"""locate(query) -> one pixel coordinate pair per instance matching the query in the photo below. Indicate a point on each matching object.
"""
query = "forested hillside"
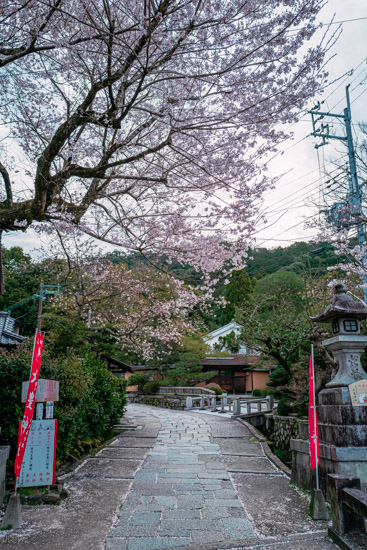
(264, 261)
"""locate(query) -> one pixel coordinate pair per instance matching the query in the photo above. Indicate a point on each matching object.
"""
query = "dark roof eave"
(347, 309)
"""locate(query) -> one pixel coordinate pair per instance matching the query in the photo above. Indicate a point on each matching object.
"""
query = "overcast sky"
(296, 197)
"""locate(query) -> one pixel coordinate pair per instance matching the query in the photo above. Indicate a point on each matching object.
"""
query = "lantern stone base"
(333, 460)
(343, 441)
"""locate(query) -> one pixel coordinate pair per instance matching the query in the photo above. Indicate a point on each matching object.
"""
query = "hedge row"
(91, 401)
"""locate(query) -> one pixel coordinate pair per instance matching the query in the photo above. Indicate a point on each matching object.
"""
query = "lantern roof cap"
(342, 306)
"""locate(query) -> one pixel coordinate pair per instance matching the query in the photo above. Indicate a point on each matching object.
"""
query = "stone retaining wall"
(177, 402)
(283, 429)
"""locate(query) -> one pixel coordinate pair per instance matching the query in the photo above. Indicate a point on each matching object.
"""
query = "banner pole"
(315, 421)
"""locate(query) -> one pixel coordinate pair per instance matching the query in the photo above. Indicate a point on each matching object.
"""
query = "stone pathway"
(182, 480)
(186, 495)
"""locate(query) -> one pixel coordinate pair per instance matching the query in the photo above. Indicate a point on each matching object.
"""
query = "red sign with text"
(30, 402)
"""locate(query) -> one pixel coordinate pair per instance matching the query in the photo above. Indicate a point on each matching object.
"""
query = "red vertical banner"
(313, 432)
(30, 402)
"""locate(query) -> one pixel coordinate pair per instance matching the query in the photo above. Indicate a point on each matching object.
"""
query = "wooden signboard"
(47, 390)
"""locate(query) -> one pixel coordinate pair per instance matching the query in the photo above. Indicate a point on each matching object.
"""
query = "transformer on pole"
(343, 214)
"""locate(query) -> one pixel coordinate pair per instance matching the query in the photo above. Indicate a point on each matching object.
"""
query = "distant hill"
(264, 261)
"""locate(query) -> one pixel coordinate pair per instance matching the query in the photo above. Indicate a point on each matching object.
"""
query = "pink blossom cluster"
(146, 311)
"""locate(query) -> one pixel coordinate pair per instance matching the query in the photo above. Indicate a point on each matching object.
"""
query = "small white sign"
(49, 409)
(39, 411)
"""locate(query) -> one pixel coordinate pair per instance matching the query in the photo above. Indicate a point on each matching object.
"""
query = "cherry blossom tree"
(147, 124)
(136, 310)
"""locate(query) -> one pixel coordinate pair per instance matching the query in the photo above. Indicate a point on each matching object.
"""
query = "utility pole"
(44, 290)
(323, 131)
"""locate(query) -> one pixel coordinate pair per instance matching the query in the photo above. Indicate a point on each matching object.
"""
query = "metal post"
(40, 309)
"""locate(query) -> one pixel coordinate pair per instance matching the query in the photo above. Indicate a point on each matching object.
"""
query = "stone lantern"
(347, 343)
(342, 426)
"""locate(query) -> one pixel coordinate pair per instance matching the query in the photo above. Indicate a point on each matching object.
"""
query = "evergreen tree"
(236, 293)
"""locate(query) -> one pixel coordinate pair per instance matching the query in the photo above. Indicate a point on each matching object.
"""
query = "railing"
(238, 407)
(185, 390)
(348, 508)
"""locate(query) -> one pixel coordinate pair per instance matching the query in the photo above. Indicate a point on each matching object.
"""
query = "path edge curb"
(264, 444)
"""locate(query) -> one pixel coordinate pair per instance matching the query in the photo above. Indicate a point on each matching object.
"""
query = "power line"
(293, 226)
(300, 190)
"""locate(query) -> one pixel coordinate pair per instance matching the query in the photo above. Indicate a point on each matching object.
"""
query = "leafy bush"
(265, 393)
(138, 379)
(91, 401)
(256, 393)
(284, 456)
(151, 387)
(283, 407)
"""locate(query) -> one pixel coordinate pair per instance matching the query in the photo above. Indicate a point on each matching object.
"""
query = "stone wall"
(282, 429)
(166, 402)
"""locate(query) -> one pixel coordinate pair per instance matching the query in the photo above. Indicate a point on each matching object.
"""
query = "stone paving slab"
(142, 434)
(134, 442)
(124, 452)
(240, 447)
(252, 465)
(102, 467)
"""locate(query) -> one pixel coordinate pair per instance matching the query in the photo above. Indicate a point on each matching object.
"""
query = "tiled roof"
(7, 335)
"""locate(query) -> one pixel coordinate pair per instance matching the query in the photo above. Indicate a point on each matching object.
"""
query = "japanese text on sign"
(358, 393)
(39, 459)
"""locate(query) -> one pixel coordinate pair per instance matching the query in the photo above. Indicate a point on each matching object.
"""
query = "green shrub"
(284, 456)
(256, 393)
(91, 400)
(284, 409)
(151, 387)
(218, 391)
(265, 393)
(279, 377)
(138, 379)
